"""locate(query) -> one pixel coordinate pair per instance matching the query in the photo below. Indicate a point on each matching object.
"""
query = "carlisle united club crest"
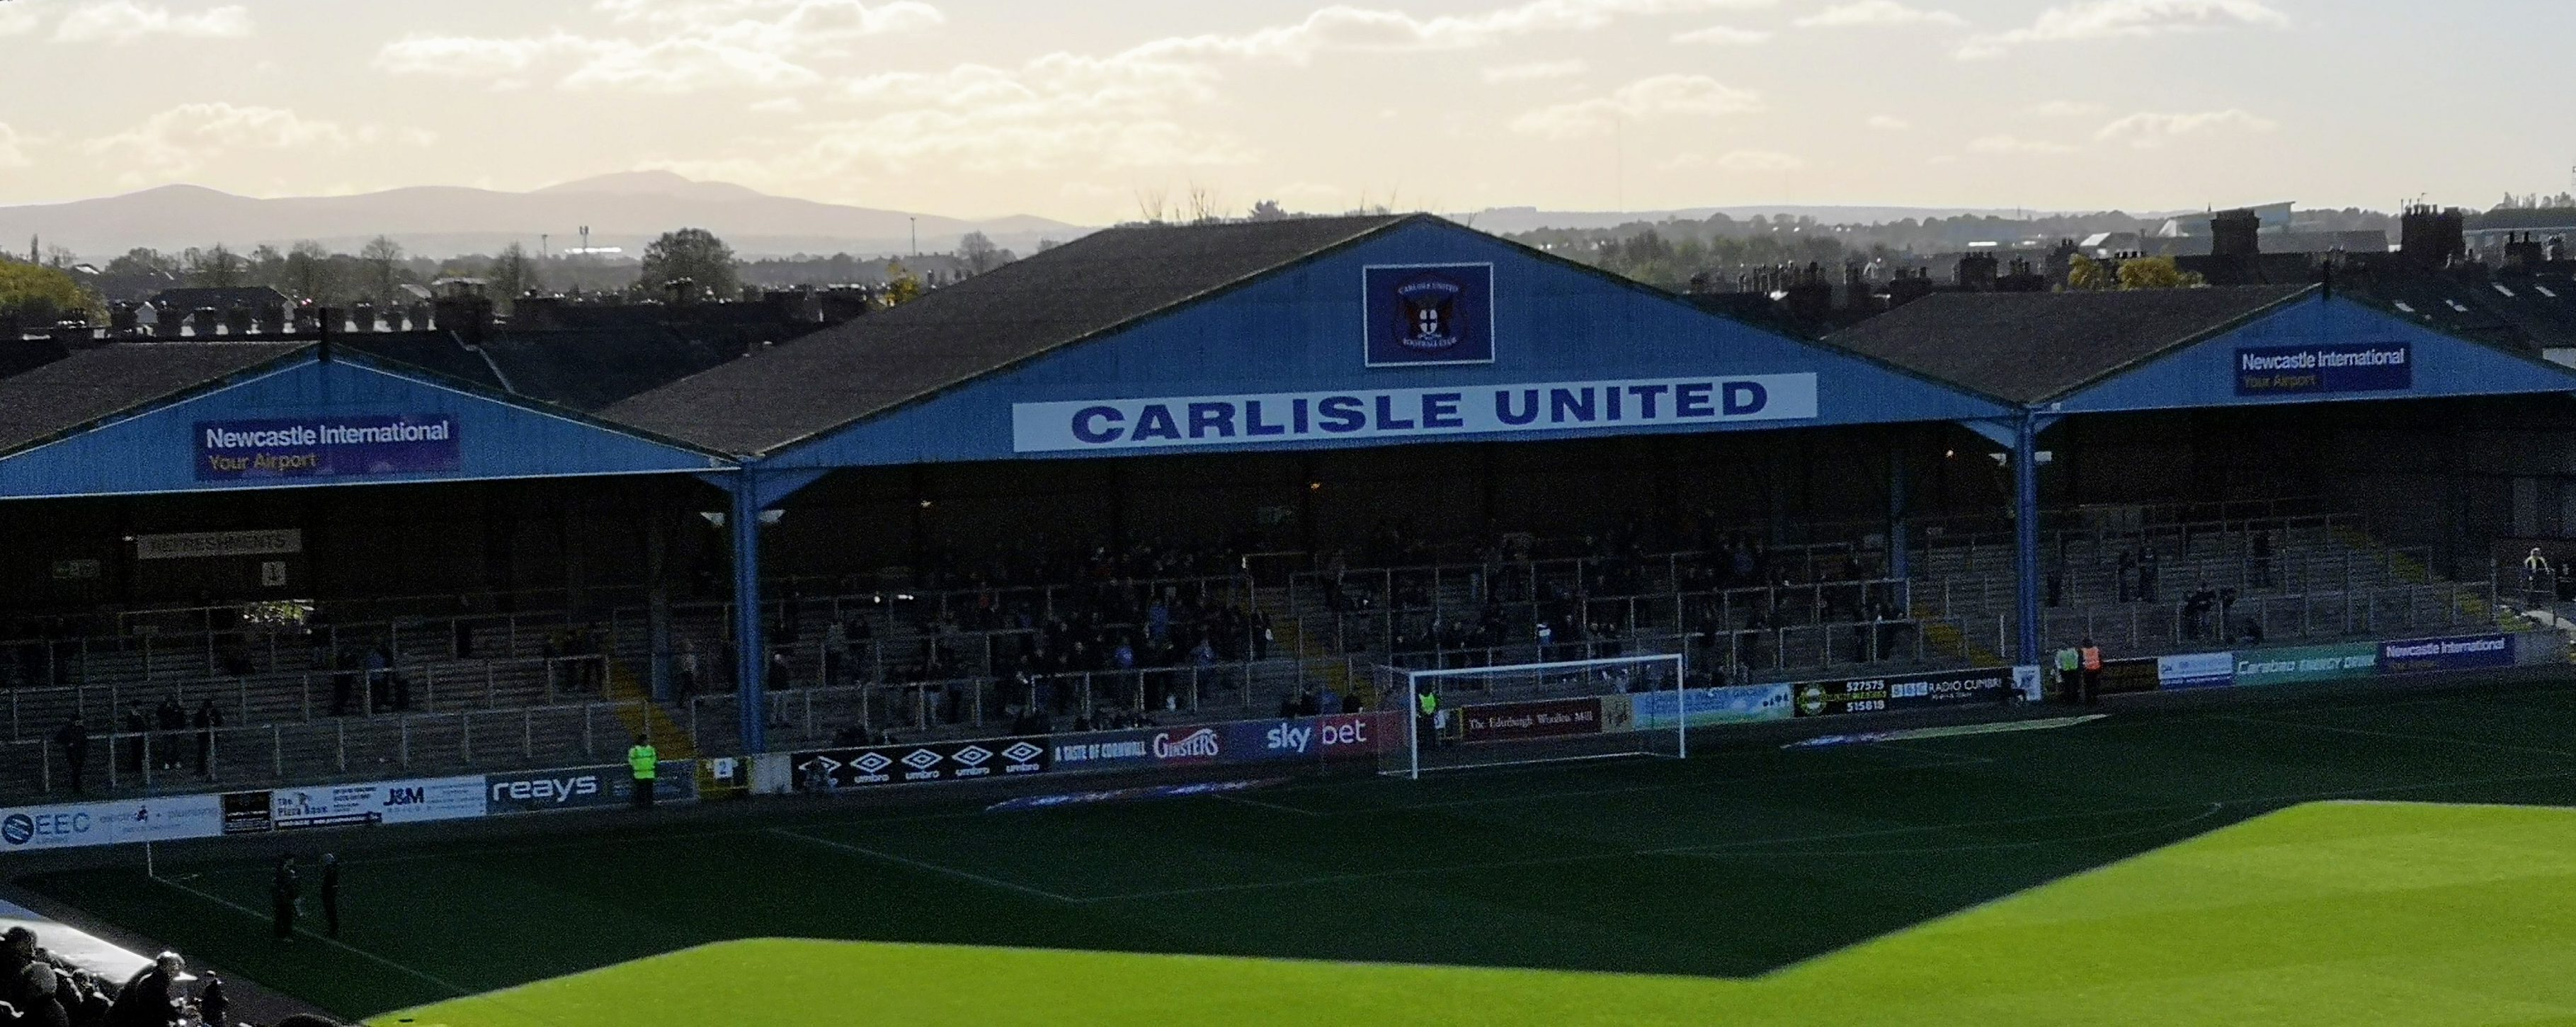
(1427, 315)
(1429, 309)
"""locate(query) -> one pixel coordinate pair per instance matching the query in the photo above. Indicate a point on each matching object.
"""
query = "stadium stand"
(876, 617)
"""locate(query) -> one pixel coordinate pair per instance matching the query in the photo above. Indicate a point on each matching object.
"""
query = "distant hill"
(625, 210)
(1513, 220)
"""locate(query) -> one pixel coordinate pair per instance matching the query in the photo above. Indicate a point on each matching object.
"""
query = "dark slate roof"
(91, 385)
(2033, 347)
(1103, 281)
(584, 369)
(2528, 312)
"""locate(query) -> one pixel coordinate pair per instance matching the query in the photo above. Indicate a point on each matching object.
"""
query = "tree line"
(689, 264)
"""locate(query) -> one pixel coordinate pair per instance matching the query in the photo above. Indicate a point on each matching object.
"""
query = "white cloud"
(779, 105)
(2147, 131)
(122, 21)
(1058, 112)
(779, 26)
(1739, 160)
(13, 152)
(1656, 97)
(17, 19)
(185, 138)
(1535, 70)
(476, 57)
(2016, 144)
(1724, 35)
(2111, 19)
(1346, 28)
(1889, 123)
(1878, 14)
(684, 46)
(181, 139)
(2068, 109)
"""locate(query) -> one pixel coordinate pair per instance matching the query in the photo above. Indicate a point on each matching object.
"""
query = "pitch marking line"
(966, 875)
(336, 943)
(1272, 806)
(1714, 784)
(2402, 736)
(2213, 808)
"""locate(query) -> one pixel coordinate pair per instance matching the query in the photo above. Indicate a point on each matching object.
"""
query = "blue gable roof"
(344, 421)
(2321, 350)
(1424, 332)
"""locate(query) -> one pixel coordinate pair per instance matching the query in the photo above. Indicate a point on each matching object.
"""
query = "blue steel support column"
(2025, 461)
(751, 650)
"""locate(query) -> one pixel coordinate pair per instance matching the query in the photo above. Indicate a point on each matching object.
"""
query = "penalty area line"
(964, 875)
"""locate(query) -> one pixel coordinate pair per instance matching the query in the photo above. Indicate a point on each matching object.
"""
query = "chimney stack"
(2524, 253)
(1977, 272)
(2432, 238)
(2236, 244)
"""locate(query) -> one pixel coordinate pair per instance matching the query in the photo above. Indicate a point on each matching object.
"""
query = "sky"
(1099, 110)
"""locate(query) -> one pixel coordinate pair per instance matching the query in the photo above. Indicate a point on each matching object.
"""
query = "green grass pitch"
(2303, 860)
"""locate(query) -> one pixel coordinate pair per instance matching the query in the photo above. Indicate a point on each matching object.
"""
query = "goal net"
(1540, 712)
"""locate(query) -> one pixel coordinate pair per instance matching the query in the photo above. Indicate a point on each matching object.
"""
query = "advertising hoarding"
(2306, 664)
(1547, 718)
(2424, 655)
(1901, 692)
(871, 766)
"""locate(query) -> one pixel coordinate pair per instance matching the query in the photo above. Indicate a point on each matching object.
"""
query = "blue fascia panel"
(2285, 345)
(1304, 332)
(160, 450)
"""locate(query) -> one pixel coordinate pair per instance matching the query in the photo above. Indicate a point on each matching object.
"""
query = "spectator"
(74, 738)
(212, 1006)
(2070, 666)
(173, 720)
(153, 997)
(207, 719)
(2147, 576)
(2128, 574)
(379, 662)
(2262, 559)
(344, 683)
(138, 732)
(688, 661)
(2536, 573)
(28, 982)
(2092, 659)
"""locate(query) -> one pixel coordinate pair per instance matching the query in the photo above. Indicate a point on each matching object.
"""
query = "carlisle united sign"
(1429, 314)
(1400, 415)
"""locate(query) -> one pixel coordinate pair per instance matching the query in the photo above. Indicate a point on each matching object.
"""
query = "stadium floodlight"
(1543, 712)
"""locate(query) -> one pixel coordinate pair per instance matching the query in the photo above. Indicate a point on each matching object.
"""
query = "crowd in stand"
(41, 989)
(1138, 625)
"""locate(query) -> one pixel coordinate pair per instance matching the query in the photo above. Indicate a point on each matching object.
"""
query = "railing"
(311, 695)
(2170, 627)
(325, 750)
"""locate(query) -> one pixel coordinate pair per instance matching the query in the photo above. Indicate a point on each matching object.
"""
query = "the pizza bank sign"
(1395, 415)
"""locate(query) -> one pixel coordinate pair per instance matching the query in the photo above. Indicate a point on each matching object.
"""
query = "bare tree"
(1154, 205)
(1204, 205)
(382, 256)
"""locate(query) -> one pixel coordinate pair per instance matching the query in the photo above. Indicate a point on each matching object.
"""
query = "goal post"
(1542, 712)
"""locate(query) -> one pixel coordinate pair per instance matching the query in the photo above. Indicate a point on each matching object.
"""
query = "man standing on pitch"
(642, 759)
(284, 893)
(331, 893)
(2092, 672)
